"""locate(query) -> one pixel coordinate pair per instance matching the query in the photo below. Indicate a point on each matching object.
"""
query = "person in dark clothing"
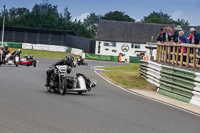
(160, 36)
(68, 60)
(196, 36)
(5, 52)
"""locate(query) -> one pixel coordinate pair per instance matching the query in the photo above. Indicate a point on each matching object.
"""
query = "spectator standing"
(191, 38)
(196, 36)
(160, 36)
(176, 33)
(183, 39)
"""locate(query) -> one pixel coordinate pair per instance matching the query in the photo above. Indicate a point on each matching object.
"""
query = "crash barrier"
(13, 45)
(133, 59)
(52, 48)
(181, 54)
(101, 57)
(174, 82)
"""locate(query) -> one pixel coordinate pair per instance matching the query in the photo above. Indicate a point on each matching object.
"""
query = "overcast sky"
(137, 9)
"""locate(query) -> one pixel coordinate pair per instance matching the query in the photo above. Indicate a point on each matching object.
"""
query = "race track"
(26, 106)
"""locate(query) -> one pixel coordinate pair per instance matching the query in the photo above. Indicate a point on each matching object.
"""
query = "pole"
(3, 24)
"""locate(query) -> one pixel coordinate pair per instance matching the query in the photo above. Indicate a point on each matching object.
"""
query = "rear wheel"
(63, 87)
(17, 64)
(0, 60)
(34, 63)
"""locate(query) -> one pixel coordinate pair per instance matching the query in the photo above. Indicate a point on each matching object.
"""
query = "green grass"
(129, 77)
(43, 53)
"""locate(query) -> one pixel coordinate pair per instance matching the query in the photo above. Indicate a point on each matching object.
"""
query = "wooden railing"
(170, 53)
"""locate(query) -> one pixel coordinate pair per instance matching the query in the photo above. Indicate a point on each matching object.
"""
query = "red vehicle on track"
(28, 61)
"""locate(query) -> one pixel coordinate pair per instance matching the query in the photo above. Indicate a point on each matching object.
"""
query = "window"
(111, 44)
(106, 43)
(137, 46)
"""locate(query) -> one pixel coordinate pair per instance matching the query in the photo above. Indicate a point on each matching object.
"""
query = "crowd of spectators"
(177, 35)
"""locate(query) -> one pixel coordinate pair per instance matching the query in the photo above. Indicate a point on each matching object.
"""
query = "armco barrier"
(14, 45)
(177, 83)
(52, 48)
(101, 57)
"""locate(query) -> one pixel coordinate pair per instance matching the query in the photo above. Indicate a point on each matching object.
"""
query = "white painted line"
(190, 112)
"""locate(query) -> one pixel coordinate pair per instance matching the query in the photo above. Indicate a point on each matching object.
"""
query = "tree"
(162, 18)
(118, 16)
(157, 17)
(67, 14)
(91, 22)
(181, 22)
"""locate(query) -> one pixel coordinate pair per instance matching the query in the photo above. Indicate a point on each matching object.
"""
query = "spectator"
(166, 37)
(191, 38)
(160, 36)
(196, 36)
(183, 39)
(176, 33)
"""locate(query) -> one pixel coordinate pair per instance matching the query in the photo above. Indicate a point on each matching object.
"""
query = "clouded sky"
(137, 9)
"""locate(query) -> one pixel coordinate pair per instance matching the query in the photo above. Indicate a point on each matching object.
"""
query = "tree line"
(46, 16)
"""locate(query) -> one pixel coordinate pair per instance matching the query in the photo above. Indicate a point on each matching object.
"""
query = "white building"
(128, 38)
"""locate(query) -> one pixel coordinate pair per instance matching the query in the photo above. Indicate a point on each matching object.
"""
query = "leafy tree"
(157, 17)
(181, 22)
(162, 18)
(67, 14)
(91, 22)
(117, 16)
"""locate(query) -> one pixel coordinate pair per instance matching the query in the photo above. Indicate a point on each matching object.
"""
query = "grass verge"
(44, 54)
(127, 76)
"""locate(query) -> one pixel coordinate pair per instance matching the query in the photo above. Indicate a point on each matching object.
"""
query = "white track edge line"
(185, 110)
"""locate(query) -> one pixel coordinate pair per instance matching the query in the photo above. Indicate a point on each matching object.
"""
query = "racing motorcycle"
(60, 82)
(80, 61)
(10, 60)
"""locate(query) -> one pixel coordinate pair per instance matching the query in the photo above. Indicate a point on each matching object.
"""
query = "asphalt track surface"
(26, 106)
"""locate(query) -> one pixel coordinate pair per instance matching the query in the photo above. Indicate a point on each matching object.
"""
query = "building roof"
(120, 31)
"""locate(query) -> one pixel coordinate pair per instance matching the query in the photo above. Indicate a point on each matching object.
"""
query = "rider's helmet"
(69, 59)
(31, 56)
(19, 51)
(6, 46)
(26, 56)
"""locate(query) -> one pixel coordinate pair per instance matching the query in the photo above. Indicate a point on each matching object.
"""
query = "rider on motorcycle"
(26, 56)
(81, 60)
(14, 53)
(68, 60)
(5, 52)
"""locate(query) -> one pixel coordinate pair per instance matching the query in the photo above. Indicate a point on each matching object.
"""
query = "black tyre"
(16, 64)
(34, 63)
(0, 60)
(63, 87)
(80, 92)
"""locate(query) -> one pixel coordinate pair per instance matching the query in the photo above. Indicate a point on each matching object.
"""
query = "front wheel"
(63, 87)
(80, 92)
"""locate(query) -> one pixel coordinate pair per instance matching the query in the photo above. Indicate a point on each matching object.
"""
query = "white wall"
(109, 50)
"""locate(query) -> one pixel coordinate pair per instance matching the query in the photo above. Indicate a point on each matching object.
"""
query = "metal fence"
(50, 37)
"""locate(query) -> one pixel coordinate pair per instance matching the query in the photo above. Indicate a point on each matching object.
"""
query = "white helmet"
(19, 51)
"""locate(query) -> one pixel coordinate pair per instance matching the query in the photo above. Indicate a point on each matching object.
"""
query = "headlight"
(56, 71)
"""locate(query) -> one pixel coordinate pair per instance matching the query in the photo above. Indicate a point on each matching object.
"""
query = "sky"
(137, 9)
